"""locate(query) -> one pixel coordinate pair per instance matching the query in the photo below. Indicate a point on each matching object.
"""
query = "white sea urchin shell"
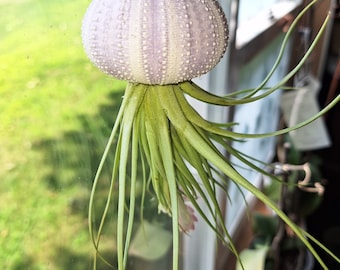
(155, 41)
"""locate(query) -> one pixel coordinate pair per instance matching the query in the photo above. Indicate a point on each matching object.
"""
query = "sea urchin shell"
(155, 41)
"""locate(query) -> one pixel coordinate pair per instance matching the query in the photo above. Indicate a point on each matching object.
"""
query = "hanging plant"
(158, 46)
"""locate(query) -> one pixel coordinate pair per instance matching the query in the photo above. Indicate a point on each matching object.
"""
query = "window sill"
(263, 21)
(269, 24)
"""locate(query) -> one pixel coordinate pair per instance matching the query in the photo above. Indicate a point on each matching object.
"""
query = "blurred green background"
(56, 113)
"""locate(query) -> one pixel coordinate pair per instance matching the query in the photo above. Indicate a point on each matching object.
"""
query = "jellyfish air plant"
(158, 47)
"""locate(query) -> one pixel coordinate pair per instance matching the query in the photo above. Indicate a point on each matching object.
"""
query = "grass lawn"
(56, 111)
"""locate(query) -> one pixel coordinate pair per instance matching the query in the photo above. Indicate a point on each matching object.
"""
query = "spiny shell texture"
(155, 41)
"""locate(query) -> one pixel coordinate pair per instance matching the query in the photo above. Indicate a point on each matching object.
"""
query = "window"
(255, 38)
(55, 122)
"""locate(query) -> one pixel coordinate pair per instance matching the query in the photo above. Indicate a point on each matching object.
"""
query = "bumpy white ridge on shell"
(155, 41)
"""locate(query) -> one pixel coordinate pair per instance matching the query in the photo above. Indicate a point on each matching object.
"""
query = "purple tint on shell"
(155, 41)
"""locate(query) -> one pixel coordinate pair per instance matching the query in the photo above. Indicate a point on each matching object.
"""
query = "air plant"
(159, 46)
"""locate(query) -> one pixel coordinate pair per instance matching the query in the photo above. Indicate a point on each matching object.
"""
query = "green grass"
(56, 111)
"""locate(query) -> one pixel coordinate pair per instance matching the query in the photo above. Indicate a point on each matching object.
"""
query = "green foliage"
(56, 112)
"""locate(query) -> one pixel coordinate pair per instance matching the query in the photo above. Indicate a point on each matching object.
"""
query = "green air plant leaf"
(158, 141)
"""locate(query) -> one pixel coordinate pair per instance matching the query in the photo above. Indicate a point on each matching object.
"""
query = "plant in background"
(298, 193)
(158, 46)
